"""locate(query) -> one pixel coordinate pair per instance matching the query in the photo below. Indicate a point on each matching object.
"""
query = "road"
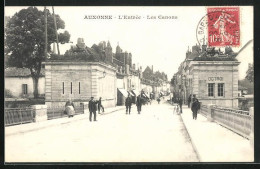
(155, 135)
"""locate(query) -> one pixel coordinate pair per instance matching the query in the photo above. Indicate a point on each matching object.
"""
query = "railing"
(59, 112)
(203, 110)
(236, 120)
(18, 116)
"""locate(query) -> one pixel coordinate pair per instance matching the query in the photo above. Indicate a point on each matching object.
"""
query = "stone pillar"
(85, 107)
(251, 136)
(210, 112)
(40, 112)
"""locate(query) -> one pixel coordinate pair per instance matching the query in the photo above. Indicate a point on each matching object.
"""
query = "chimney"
(141, 72)
(134, 66)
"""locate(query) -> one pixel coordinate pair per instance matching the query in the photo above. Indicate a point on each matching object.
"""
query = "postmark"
(220, 27)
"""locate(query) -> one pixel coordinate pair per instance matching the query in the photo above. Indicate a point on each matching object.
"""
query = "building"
(20, 83)
(246, 57)
(79, 81)
(210, 75)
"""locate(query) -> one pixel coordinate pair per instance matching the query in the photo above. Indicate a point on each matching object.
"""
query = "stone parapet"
(40, 112)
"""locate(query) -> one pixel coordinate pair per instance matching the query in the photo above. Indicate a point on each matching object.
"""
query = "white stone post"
(210, 112)
(85, 107)
(40, 112)
(251, 136)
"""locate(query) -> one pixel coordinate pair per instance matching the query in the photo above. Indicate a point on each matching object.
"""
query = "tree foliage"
(25, 40)
(250, 73)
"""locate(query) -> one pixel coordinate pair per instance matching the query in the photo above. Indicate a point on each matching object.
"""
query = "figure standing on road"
(158, 100)
(128, 104)
(194, 108)
(70, 108)
(100, 105)
(180, 104)
(189, 100)
(139, 103)
(92, 109)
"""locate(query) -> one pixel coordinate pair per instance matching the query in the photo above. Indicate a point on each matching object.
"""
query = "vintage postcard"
(129, 84)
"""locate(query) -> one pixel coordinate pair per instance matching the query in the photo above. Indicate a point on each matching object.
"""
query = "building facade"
(214, 82)
(210, 75)
(20, 83)
(79, 81)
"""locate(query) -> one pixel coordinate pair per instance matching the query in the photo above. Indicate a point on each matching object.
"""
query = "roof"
(250, 41)
(20, 72)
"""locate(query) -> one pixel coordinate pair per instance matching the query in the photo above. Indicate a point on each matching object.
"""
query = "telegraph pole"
(45, 32)
(55, 26)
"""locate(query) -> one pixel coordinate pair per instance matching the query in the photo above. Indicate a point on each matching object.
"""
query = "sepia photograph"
(128, 84)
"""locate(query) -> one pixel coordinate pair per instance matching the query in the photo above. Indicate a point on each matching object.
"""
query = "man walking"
(189, 100)
(194, 108)
(92, 108)
(100, 106)
(180, 104)
(128, 104)
(139, 103)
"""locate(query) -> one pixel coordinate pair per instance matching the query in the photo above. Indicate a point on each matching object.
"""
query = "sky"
(158, 42)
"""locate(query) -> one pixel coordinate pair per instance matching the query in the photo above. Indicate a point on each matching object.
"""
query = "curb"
(34, 128)
(113, 111)
(192, 142)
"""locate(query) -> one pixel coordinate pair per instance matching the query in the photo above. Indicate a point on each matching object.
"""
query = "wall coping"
(80, 63)
(39, 106)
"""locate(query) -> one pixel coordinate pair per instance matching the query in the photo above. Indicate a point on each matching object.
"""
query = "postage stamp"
(220, 27)
(223, 26)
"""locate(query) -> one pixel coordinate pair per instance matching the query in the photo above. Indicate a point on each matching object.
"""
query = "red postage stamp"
(223, 26)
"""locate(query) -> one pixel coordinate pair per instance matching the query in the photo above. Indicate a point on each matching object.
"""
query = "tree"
(250, 73)
(24, 40)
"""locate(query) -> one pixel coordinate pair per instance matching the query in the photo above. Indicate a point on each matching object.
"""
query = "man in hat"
(92, 108)
(128, 104)
(100, 105)
(139, 103)
(194, 108)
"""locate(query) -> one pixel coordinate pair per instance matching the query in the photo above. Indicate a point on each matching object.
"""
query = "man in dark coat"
(100, 105)
(92, 108)
(180, 104)
(194, 108)
(139, 103)
(128, 104)
(189, 100)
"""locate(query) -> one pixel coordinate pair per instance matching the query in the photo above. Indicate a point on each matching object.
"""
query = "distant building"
(245, 57)
(20, 83)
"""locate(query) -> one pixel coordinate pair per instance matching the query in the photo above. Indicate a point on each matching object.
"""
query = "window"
(221, 89)
(62, 87)
(211, 89)
(25, 91)
(79, 87)
(70, 87)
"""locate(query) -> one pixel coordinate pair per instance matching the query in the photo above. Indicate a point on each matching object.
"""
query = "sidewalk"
(18, 129)
(215, 143)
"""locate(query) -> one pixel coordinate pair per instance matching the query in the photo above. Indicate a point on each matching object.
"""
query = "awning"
(144, 94)
(135, 92)
(131, 93)
(124, 92)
